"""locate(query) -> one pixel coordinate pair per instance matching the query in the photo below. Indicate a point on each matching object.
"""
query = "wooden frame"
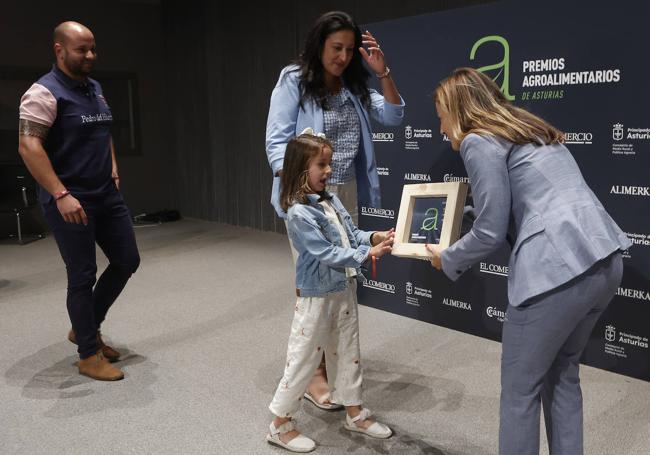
(422, 204)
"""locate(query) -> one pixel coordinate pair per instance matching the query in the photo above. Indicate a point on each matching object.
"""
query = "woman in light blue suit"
(565, 264)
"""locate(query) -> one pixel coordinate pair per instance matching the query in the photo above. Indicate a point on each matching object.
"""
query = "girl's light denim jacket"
(322, 258)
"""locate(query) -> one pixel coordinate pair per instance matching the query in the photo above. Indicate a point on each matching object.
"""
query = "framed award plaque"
(428, 213)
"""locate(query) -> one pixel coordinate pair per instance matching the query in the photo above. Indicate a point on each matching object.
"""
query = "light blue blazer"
(286, 120)
(562, 229)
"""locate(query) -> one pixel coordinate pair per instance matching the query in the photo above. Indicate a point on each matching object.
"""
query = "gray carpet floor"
(203, 327)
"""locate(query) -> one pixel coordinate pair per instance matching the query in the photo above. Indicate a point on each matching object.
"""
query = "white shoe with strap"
(376, 430)
(299, 444)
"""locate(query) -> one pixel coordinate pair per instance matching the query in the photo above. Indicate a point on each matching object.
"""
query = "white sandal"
(376, 430)
(299, 444)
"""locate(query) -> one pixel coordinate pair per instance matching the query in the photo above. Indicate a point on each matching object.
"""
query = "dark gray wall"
(205, 73)
(129, 38)
(223, 61)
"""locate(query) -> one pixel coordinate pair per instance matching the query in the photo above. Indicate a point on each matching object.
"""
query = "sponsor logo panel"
(379, 286)
(453, 178)
(416, 177)
(384, 171)
(494, 269)
(638, 240)
(639, 295)
(630, 190)
(413, 136)
(580, 138)
(630, 136)
(494, 312)
(459, 304)
(378, 212)
(415, 293)
(618, 342)
(383, 137)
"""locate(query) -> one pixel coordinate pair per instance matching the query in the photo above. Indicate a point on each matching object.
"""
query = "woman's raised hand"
(374, 56)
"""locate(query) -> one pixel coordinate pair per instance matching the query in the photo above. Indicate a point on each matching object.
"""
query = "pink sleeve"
(38, 105)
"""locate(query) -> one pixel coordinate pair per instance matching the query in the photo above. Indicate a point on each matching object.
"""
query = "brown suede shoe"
(97, 367)
(110, 353)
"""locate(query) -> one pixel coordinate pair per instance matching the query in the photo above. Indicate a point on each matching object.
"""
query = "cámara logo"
(493, 312)
(453, 178)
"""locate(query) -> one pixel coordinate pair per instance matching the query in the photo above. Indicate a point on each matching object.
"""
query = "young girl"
(331, 250)
(327, 88)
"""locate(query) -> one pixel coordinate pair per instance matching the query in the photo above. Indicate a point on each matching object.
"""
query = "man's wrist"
(61, 194)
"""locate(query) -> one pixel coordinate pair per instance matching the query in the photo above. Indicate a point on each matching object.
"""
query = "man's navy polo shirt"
(79, 140)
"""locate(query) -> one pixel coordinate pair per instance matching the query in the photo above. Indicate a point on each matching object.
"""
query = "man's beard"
(79, 69)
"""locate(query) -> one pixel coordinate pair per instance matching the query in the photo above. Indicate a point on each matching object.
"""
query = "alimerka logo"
(503, 66)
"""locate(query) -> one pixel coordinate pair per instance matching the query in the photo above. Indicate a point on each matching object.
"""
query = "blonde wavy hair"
(476, 105)
(294, 177)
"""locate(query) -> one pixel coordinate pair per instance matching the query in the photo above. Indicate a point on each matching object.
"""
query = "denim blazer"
(286, 120)
(322, 258)
(562, 229)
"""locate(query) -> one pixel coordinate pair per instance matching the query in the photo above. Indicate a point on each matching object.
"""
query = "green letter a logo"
(503, 65)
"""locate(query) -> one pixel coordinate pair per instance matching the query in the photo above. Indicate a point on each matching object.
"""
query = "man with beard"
(65, 142)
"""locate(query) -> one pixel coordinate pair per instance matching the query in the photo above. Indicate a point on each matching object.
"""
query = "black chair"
(18, 197)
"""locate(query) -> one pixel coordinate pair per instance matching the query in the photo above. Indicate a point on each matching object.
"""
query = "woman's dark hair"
(312, 80)
(294, 177)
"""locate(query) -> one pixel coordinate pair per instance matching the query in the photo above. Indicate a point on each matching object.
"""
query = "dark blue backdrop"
(583, 68)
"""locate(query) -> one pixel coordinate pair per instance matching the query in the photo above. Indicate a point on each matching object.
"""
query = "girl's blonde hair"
(476, 105)
(294, 177)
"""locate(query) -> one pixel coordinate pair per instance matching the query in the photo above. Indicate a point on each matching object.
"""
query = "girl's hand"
(435, 251)
(380, 236)
(385, 246)
(375, 59)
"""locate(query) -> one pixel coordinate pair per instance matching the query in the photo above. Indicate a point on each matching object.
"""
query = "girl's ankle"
(280, 421)
(353, 411)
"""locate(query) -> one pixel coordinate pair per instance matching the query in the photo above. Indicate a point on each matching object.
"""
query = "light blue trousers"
(543, 340)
